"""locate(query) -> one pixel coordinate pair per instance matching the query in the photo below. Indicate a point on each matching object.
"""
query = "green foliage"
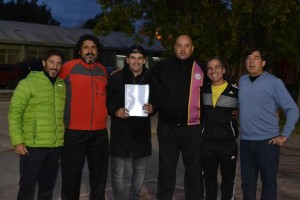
(272, 25)
(283, 120)
(218, 27)
(91, 23)
(297, 128)
(118, 16)
(27, 11)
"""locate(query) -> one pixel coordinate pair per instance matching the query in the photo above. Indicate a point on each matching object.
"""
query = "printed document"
(135, 97)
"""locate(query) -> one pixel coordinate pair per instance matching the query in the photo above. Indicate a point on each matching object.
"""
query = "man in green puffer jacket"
(36, 127)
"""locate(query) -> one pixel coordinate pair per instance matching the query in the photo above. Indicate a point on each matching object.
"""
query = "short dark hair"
(84, 38)
(263, 56)
(262, 53)
(216, 58)
(53, 52)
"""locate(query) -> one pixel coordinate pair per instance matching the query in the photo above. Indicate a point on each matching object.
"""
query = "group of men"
(59, 115)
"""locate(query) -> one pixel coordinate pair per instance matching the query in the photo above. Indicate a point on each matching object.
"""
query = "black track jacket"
(180, 82)
(217, 122)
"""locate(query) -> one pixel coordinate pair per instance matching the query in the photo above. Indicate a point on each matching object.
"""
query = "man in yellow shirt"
(219, 131)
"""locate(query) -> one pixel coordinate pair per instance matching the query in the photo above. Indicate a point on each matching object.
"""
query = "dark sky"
(72, 13)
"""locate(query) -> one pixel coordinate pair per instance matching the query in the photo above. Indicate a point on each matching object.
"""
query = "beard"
(51, 72)
(89, 58)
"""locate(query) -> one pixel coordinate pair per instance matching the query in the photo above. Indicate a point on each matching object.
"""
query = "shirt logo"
(235, 86)
(198, 76)
(230, 92)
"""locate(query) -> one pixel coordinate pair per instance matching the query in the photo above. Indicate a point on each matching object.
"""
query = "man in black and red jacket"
(85, 119)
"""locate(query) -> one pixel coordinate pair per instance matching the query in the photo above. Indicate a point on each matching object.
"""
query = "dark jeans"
(40, 166)
(221, 154)
(174, 140)
(79, 145)
(259, 157)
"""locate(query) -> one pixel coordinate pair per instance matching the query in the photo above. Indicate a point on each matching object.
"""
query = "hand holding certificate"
(135, 97)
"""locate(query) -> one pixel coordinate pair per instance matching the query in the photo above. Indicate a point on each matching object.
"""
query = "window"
(121, 59)
(39, 53)
(9, 55)
(35, 53)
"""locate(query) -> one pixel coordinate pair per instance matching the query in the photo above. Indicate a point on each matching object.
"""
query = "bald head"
(183, 47)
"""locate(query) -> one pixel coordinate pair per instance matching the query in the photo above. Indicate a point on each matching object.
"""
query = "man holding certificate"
(130, 103)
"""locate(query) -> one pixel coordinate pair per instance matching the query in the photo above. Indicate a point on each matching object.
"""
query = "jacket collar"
(188, 60)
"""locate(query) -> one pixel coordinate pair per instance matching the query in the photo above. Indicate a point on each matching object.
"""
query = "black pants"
(79, 145)
(40, 166)
(174, 140)
(221, 154)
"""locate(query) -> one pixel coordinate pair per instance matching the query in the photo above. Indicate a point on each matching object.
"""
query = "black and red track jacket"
(86, 95)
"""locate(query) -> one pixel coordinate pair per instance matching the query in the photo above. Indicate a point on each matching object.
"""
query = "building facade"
(24, 44)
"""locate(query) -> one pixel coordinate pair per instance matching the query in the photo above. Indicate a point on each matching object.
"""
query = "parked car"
(10, 75)
(30, 65)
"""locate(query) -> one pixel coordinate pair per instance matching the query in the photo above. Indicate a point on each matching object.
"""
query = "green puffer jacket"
(36, 112)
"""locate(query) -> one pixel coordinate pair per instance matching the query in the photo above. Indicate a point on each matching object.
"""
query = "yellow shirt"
(217, 91)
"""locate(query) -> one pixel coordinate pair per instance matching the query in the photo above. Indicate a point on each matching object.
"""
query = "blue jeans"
(259, 157)
(118, 166)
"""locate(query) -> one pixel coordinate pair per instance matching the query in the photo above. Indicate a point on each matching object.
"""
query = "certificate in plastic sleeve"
(135, 97)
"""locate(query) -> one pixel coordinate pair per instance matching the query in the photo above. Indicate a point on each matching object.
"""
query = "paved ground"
(288, 177)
